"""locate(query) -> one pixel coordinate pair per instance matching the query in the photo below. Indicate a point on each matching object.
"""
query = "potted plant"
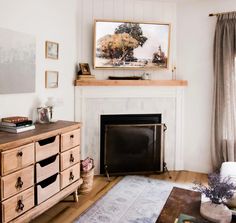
(218, 191)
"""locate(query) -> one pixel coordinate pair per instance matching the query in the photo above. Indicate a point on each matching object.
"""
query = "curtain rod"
(220, 13)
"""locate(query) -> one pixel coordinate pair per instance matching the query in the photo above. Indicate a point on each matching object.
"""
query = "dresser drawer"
(70, 175)
(46, 148)
(17, 205)
(70, 157)
(47, 188)
(47, 168)
(70, 139)
(17, 182)
(17, 158)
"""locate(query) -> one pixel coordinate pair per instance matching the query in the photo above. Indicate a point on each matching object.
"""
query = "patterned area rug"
(135, 199)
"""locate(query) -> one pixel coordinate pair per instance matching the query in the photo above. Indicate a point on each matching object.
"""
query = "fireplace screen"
(131, 144)
(133, 148)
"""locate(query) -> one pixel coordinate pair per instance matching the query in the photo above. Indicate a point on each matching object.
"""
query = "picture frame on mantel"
(131, 45)
(51, 50)
(84, 69)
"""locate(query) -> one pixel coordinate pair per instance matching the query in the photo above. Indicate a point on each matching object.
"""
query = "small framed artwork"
(84, 68)
(51, 50)
(51, 79)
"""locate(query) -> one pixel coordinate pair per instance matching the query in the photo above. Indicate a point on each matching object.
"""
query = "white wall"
(47, 20)
(133, 10)
(195, 36)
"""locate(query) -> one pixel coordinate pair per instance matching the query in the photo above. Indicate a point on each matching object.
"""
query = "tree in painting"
(116, 47)
(135, 31)
(119, 46)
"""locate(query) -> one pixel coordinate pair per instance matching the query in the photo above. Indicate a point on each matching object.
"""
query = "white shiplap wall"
(134, 10)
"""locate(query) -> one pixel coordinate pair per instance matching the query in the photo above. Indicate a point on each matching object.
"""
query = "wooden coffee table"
(181, 201)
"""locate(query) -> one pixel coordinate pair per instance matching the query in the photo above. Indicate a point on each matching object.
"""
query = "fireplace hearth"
(131, 144)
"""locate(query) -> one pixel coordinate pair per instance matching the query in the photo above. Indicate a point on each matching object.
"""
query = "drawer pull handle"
(71, 136)
(20, 206)
(71, 176)
(72, 159)
(19, 183)
(20, 153)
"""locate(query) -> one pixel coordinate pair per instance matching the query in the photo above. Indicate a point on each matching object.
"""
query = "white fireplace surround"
(92, 101)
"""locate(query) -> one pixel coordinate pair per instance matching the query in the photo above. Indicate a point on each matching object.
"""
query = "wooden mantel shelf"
(131, 83)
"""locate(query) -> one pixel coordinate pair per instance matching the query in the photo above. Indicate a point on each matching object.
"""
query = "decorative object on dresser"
(38, 169)
(52, 103)
(131, 45)
(44, 114)
(51, 50)
(16, 124)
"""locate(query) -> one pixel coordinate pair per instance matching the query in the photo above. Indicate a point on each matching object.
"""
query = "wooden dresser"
(38, 169)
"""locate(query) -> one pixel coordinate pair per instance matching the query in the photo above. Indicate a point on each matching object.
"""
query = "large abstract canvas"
(131, 45)
(17, 62)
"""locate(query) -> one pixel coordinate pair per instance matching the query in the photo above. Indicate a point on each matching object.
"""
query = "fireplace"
(131, 143)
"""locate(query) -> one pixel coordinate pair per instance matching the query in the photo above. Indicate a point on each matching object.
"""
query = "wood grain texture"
(18, 156)
(43, 172)
(70, 175)
(9, 182)
(46, 192)
(70, 157)
(184, 201)
(180, 201)
(45, 151)
(70, 139)
(16, 159)
(46, 205)
(131, 83)
(42, 131)
(9, 207)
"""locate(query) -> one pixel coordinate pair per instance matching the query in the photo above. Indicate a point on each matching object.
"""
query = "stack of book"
(86, 77)
(16, 124)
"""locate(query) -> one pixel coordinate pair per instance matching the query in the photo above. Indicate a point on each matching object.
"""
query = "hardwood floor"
(67, 210)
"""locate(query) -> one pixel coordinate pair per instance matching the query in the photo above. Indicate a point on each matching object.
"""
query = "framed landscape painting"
(131, 45)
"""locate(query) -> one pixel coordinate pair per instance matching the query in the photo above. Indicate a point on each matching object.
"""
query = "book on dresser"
(14, 119)
(16, 124)
(14, 129)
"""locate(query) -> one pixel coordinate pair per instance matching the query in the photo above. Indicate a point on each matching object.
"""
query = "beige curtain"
(224, 107)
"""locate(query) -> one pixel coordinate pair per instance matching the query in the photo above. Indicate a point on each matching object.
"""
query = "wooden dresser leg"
(76, 197)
